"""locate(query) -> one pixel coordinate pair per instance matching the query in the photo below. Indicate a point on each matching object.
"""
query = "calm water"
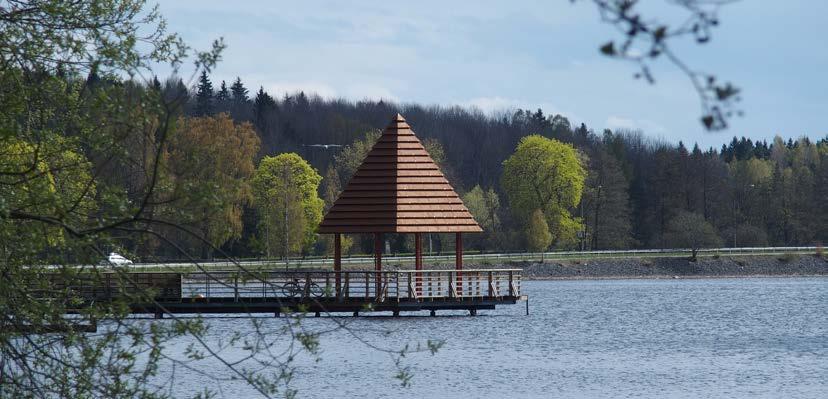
(593, 339)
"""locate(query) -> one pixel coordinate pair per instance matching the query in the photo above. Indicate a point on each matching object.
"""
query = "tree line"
(627, 191)
(244, 174)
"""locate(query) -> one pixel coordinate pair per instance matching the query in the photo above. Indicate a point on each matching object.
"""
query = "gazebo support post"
(458, 260)
(418, 262)
(338, 264)
(378, 261)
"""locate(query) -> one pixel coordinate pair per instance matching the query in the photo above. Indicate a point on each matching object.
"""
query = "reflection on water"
(592, 339)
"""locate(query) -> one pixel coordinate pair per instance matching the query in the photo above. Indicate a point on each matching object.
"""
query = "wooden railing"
(405, 285)
(105, 286)
(355, 285)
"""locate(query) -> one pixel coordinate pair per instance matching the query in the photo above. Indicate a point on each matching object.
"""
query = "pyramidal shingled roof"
(398, 189)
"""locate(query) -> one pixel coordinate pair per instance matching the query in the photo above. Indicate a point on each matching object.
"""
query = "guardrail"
(345, 286)
(295, 286)
(492, 258)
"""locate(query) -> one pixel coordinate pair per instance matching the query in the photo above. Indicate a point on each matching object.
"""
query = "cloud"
(369, 91)
(278, 89)
(494, 105)
(646, 125)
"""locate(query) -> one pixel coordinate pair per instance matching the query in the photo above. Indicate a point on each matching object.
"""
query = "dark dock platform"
(316, 292)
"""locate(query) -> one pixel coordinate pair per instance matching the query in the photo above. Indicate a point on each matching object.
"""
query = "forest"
(638, 192)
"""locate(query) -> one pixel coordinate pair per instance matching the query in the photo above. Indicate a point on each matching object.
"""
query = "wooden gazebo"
(398, 189)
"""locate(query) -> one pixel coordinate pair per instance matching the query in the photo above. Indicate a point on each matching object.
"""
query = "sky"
(502, 55)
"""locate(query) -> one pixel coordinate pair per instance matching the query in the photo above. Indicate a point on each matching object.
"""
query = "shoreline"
(667, 268)
(665, 277)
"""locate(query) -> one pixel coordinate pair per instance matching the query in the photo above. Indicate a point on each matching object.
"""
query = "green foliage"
(68, 125)
(605, 204)
(109, 36)
(209, 161)
(204, 96)
(347, 161)
(747, 235)
(285, 189)
(690, 230)
(548, 175)
(538, 237)
(485, 207)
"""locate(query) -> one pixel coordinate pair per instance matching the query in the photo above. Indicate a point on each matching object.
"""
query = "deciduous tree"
(538, 237)
(690, 230)
(606, 204)
(548, 175)
(211, 161)
(287, 200)
(485, 207)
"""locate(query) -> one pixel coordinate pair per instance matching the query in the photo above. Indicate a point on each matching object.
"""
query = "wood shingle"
(398, 189)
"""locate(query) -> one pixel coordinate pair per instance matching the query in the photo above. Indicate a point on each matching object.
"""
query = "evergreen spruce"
(239, 92)
(223, 94)
(204, 96)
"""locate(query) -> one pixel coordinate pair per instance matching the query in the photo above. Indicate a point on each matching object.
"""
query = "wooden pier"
(314, 292)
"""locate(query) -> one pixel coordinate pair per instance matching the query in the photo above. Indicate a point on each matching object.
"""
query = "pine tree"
(223, 94)
(263, 104)
(156, 84)
(239, 92)
(204, 96)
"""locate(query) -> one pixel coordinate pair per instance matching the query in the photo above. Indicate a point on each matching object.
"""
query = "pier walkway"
(302, 291)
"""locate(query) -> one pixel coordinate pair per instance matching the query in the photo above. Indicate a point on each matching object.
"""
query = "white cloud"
(368, 91)
(491, 104)
(278, 89)
(494, 105)
(646, 125)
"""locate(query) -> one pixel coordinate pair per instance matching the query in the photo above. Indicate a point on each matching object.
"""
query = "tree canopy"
(545, 173)
(286, 188)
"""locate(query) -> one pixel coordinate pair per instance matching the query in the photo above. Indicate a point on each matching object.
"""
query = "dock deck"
(308, 291)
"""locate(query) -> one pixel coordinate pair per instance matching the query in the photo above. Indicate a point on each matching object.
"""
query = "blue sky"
(497, 55)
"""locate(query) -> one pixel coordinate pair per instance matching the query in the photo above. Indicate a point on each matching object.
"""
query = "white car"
(117, 260)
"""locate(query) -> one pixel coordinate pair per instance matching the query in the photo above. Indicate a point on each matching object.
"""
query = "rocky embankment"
(780, 265)
(785, 265)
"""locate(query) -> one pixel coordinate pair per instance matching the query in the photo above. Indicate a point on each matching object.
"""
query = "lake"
(729, 338)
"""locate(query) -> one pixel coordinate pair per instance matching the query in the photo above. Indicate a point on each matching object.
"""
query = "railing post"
(418, 260)
(337, 261)
(343, 295)
(367, 285)
(327, 285)
(236, 287)
(491, 285)
(307, 286)
(458, 260)
(511, 284)
(378, 259)
(451, 292)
